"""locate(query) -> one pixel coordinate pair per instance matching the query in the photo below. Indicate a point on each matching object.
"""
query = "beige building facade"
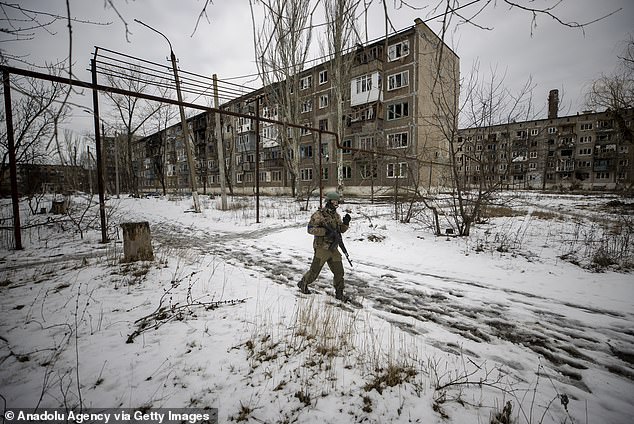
(586, 151)
(391, 136)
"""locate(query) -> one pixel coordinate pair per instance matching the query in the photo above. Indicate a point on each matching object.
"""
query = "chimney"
(553, 104)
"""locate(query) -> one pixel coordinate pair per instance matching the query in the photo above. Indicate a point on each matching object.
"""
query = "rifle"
(338, 240)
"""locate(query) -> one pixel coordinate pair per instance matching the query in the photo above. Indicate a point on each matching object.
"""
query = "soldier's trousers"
(333, 259)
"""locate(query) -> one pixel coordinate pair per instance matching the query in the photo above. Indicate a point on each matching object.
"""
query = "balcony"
(273, 163)
(602, 165)
(567, 165)
(248, 127)
(605, 151)
(247, 166)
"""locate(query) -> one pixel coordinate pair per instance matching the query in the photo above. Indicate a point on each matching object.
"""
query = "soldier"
(326, 225)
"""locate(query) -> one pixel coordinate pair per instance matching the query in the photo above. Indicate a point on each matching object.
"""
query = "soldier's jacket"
(316, 226)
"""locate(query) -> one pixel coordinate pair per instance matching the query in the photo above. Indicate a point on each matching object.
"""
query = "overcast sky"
(554, 55)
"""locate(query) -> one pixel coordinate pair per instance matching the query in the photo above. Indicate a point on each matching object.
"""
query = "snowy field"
(527, 320)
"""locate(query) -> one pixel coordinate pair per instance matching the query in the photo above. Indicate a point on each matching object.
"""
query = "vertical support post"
(220, 147)
(13, 169)
(186, 137)
(116, 162)
(95, 109)
(257, 160)
(321, 177)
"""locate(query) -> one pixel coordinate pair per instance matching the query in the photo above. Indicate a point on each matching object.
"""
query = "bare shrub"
(601, 247)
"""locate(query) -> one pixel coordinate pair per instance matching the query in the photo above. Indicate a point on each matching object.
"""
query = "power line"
(115, 65)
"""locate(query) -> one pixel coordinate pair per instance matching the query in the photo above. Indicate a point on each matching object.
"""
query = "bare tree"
(341, 36)
(35, 119)
(615, 91)
(132, 112)
(160, 121)
(475, 173)
(282, 46)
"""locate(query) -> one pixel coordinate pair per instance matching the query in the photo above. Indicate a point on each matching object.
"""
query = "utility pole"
(186, 137)
(221, 149)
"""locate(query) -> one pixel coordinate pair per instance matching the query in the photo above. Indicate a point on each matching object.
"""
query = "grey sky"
(555, 56)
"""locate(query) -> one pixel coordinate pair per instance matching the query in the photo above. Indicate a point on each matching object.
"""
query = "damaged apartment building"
(587, 151)
(391, 127)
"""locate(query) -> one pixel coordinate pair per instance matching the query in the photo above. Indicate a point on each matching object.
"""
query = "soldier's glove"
(346, 219)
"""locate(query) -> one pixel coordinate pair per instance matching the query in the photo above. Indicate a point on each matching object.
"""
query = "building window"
(305, 130)
(323, 124)
(346, 172)
(397, 170)
(306, 151)
(364, 83)
(397, 110)
(397, 141)
(585, 139)
(323, 77)
(532, 166)
(323, 101)
(520, 134)
(552, 130)
(533, 155)
(587, 151)
(602, 175)
(276, 175)
(535, 131)
(307, 106)
(306, 174)
(305, 82)
(366, 143)
(587, 126)
(398, 50)
(399, 80)
(324, 151)
(368, 171)
(347, 143)
(324, 174)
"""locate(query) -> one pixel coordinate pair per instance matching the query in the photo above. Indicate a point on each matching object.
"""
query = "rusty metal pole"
(95, 109)
(321, 179)
(13, 169)
(191, 163)
(186, 136)
(257, 160)
(220, 148)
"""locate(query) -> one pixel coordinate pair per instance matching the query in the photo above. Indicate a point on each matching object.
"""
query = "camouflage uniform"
(323, 252)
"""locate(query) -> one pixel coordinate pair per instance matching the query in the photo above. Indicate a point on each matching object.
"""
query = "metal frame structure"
(7, 71)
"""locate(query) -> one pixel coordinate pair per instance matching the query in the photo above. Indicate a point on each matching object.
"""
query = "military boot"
(303, 287)
(340, 296)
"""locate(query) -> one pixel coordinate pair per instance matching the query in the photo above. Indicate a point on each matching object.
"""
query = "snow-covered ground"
(450, 329)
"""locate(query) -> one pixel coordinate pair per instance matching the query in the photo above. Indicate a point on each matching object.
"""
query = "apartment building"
(587, 151)
(391, 129)
(34, 179)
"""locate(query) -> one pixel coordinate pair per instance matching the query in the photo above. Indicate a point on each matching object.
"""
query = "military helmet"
(333, 195)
